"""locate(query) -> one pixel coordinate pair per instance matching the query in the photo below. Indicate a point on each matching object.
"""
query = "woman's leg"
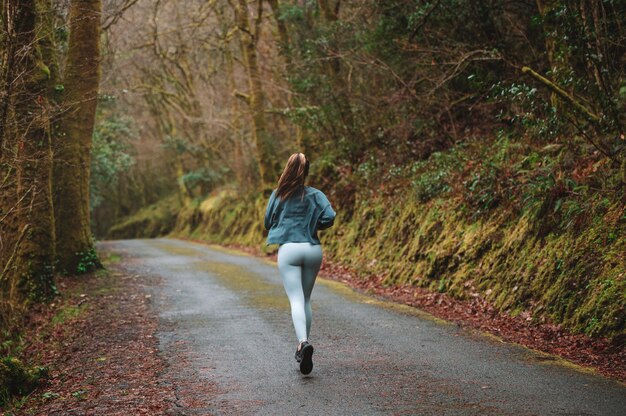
(290, 268)
(310, 269)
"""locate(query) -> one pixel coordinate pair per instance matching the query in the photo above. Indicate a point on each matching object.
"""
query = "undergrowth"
(22, 343)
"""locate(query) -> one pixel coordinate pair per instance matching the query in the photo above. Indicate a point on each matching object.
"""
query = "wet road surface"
(228, 315)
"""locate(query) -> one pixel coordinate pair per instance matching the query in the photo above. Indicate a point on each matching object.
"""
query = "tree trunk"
(284, 43)
(29, 257)
(264, 146)
(8, 142)
(239, 165)
(73, 139)
(347, 128)
(283, 33)
(555, 50)
(167, 128)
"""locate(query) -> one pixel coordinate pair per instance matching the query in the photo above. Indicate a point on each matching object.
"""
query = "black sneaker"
(306, 361)
(298, 355)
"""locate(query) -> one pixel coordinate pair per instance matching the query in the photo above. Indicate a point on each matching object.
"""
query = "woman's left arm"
(327, 217)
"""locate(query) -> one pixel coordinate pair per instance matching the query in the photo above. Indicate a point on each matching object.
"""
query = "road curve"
(371, 357)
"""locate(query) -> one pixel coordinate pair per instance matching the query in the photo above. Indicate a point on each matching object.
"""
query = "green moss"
(17, 379)
(255, 290)
(152, 221)
(111, 258)
(66, 313)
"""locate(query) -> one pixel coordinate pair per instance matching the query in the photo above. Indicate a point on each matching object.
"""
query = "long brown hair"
(293, 176)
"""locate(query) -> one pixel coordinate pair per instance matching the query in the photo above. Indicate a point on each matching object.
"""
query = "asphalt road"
(228, 315)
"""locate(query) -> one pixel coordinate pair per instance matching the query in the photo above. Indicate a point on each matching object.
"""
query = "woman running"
(294, 214)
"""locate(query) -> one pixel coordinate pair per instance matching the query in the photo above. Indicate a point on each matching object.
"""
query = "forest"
(472, 148)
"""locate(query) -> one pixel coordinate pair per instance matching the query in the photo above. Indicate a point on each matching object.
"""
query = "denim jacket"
(297, 219)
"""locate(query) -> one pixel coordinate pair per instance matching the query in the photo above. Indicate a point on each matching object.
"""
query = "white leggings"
(299, 264)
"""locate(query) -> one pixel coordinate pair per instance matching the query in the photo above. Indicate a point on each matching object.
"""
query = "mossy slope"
(574, 278)
(152, 221)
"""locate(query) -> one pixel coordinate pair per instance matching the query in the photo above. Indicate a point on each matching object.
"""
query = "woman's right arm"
(269, 211)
